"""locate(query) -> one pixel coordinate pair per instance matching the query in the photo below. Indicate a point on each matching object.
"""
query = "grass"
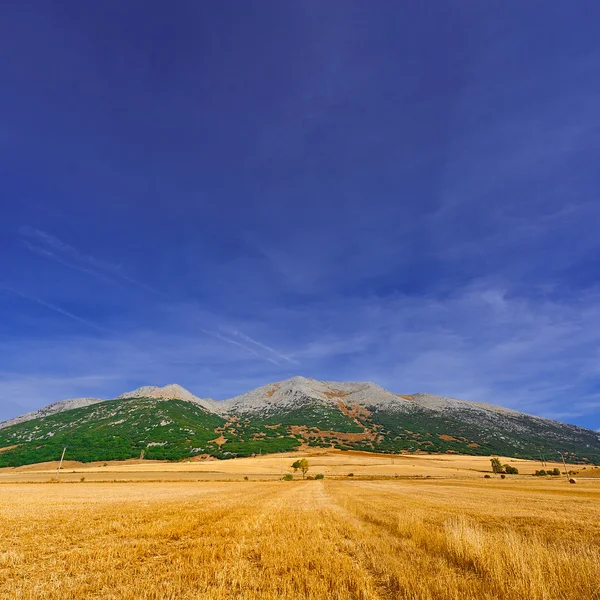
(363, 540)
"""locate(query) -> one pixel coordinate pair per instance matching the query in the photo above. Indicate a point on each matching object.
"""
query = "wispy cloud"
(265, 347)
(220, 336)
(45, 253)
(55, 308)
(52, 248)
(480, 343)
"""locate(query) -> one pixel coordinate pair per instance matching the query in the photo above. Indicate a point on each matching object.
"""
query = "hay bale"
(572, 480)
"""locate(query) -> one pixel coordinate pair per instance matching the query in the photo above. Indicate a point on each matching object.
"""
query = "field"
(460, 537)
(331, 463)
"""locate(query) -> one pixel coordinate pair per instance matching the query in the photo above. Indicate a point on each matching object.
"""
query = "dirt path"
(302, 536)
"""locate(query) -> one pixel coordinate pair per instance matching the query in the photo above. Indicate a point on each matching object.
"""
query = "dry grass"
(329, 462)
(430, 540)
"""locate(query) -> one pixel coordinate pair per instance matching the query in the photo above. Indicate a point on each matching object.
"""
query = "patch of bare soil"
(447, 438)
(220, 440)
(334, 435)
(354, 411)
(335, 394)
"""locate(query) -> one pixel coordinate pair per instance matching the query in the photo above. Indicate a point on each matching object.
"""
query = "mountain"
(295, 392)
(172, 423)
(112, 430)
(169, 392)
(51, 409)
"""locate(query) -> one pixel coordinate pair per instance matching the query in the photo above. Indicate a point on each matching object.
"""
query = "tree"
(496, 465)
(511, 470)
(301, 465)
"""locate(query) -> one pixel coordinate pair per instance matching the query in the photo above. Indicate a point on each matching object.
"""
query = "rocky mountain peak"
(172, 391)
(301, 390)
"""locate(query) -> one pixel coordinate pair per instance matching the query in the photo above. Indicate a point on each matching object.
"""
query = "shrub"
(496, 465)
(503, 476)
(319, 476)
(311, 478)
(288, 477)
(510, 470)
(350, 474)
(487, 476)
(556, 471)
(541, 473)
(246, 478)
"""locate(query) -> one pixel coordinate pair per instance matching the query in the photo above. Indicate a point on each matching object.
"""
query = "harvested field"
(339, 539)
(331, 463)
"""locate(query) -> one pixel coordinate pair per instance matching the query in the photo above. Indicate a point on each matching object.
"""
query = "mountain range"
(172, 423)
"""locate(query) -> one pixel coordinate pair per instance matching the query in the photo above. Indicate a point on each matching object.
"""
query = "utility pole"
(61, 462)
(565, 464)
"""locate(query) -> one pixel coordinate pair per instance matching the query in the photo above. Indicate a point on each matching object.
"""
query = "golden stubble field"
(329, 462)
(340, 539)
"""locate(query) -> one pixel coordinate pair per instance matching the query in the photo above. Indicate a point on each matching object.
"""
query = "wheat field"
(339, 539)
(327, 461)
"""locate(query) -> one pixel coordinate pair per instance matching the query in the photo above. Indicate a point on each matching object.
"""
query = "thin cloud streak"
(265, 347)
(240, 345)
(55, 308)
(51, 256)
(50, 241)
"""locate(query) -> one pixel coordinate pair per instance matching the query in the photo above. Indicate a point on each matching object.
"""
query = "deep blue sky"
(223, 194)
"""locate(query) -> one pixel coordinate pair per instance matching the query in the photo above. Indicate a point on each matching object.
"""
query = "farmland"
(332, 463)
(342, 537)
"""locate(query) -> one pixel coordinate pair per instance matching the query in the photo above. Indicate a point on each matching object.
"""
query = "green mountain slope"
(113, 430)
(520, 436)
(281, 417)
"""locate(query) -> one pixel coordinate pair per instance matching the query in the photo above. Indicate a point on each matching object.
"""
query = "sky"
(226, 194)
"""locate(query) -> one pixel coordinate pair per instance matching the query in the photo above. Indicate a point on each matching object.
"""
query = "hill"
(172, 423)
